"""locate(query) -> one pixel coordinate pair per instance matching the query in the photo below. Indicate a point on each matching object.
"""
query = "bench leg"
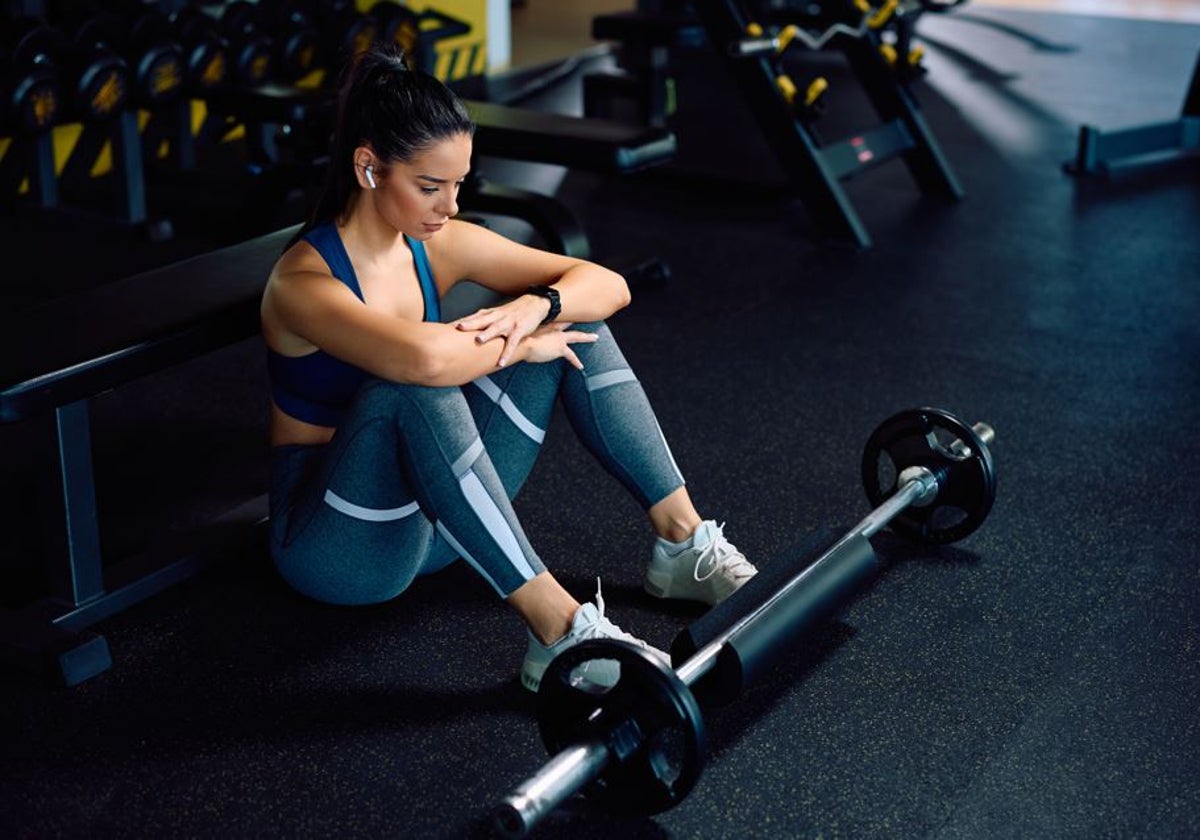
(72, 532)
(36, 638)
(31, 641)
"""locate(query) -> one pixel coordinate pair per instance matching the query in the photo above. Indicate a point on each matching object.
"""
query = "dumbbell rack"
(97, 101)
(818, 170)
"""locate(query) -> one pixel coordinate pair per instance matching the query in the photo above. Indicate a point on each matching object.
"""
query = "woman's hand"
(512, 321)
(553, 341)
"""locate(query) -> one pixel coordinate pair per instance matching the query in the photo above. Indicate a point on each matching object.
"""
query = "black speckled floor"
(1038, 680)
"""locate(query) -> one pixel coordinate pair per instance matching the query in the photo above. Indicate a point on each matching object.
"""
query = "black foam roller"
(828, 585)
(827, 588)
(770, 579)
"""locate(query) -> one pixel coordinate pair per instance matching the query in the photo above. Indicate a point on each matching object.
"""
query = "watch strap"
(551, 294)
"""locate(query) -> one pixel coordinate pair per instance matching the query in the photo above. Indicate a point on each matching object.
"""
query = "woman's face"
(420, 196)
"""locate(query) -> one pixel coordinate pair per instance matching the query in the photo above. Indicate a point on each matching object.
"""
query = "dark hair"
(396, 111)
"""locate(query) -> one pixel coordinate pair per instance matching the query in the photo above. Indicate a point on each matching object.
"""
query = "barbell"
(639, 746)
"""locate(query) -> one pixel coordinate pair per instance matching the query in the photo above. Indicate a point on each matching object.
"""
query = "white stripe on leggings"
(496, 526)
(465, 460)
(670, 456)
(368, 514)
(493, 392)
(612, 377)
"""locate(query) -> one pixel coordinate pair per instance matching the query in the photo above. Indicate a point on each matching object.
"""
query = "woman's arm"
(587, 292)
(306, 307)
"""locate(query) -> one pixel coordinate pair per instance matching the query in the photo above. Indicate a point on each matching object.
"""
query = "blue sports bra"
(317, 387)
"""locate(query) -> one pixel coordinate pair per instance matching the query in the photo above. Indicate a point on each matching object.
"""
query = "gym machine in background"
(639, 745)
(756, 42)
(1110, 152)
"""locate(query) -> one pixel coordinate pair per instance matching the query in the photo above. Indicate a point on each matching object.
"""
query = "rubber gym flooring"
(1040, 679)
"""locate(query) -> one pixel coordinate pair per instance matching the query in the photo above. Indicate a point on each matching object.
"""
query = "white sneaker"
(589, 623)
(706, 568)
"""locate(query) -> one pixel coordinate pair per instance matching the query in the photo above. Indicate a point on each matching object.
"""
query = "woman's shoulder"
(301, 258)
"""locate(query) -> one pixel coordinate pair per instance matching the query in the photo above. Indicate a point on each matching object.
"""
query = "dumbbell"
(639, 745)
(173, 55)
(250, 50)
(344, 31)
(206, 54)
(97, 80)
(295, 38)
(148, 46)
(29, 81)
(399, 25)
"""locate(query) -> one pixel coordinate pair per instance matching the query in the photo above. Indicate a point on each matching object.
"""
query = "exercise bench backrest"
(80, 346)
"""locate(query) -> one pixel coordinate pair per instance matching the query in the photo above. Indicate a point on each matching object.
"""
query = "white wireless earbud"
(370, 177)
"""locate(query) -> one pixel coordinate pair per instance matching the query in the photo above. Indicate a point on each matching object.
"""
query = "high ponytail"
(396, 111)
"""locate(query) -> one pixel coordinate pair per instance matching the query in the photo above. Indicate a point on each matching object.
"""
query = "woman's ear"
(365, 167)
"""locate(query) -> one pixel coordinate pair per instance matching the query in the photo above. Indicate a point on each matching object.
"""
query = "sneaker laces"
(722, 555)
(602, 628)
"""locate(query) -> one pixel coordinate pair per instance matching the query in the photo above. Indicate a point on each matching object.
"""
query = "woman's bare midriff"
(288, 431)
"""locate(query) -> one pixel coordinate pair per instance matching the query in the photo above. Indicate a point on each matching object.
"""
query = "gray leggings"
(416, 477)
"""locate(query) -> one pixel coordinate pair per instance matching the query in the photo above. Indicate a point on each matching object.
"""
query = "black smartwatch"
(551, 294)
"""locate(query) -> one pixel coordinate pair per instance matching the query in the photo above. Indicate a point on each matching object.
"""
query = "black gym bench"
(53, 360)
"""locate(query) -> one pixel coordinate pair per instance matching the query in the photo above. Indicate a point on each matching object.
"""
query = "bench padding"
(73, 348)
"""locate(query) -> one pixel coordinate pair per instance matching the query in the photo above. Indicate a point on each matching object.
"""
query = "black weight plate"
(296, 52)
(648, 718)
(966, 482)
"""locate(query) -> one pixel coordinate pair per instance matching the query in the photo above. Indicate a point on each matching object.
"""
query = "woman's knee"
(602, 355)
(381, 398)
(384, 392)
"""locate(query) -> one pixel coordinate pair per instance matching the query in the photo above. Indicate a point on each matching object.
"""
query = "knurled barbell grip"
(574, 768)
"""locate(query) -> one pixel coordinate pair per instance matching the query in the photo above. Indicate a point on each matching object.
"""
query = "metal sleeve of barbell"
(910, 493)
(562, 776)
